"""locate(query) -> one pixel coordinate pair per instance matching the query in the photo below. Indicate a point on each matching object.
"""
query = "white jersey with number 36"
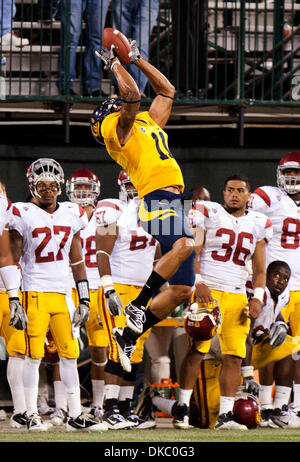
(132, 256)
(47, 240)
(229, 244)
(285, 216)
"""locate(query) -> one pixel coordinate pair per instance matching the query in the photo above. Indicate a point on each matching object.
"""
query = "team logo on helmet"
(124, 182)
(44, 169)
(289, 183)
(202, 320)
(83, 187)
(108, 106)
(246, 409)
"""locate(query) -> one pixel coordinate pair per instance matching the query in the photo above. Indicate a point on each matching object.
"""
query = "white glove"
(134, 53)
(81, 315)
(278, 333)
(18, 317)
(113, 303)
(195, 218)
(108, 56)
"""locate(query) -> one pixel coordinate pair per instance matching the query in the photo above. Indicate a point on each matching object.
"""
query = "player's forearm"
(157, 80)
(78, 270)
(127, 86)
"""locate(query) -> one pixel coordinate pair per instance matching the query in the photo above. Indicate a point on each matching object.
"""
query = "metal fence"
(214, 52)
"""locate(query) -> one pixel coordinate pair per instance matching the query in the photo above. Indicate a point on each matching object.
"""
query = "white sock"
(226, 404)
(15, 367)
(98, 392)
(282, 396)
(111, 391)
(126, 392)
(296, 402)
(184, 396)
(31, 383)
(60, 396)
(69, 376)
(266, 396)
(163, 404)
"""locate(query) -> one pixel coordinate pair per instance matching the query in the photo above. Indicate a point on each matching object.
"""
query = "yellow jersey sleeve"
(146, 156)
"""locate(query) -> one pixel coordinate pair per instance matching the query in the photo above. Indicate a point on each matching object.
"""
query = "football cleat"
(180, 412)
(285, 418)
(115, 420)
(35, 423)
(85, 422)
(18, 420)
(227, 422)
(265, 419)
(145, 408)
(138, 422)
(3, 415)
(125, 348)
(202, 320)
(135, 317)
(59, 417)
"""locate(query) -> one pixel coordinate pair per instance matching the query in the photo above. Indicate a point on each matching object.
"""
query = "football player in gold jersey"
(138, 143)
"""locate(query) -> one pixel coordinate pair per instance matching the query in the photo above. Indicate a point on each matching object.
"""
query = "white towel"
(72, 308)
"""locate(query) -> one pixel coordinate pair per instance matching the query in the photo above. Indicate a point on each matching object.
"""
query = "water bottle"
(2, 78)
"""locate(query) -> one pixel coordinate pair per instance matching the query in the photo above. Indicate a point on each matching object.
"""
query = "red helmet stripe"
(263, 195)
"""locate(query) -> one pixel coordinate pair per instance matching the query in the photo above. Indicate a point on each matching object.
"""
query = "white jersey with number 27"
(47, 241)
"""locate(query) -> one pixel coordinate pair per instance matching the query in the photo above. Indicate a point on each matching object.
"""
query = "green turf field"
(157, 435)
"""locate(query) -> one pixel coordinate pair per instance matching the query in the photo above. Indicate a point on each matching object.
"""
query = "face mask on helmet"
(108, 106)
(44, 169)
(126, 189)
(289, 183)
(246, 409)
(83, 188)
(202, 320)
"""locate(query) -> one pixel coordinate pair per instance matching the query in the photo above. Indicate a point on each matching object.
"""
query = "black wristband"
(83, 290)
(165, 96)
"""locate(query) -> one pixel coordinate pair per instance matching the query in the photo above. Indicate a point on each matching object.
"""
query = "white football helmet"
(289, 183)
(83, 197)
(124, 193)
(44, 169)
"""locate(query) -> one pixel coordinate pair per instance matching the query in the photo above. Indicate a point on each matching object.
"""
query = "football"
(114, 37)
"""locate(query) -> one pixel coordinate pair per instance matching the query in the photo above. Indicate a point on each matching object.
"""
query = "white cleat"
(227, 422)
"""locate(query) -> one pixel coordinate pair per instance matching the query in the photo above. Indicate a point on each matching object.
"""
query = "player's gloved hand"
(18, 317)
(249, 384)
(278, 333)
(81, 315)
(108, 56)
(113, 303)
(135, 52)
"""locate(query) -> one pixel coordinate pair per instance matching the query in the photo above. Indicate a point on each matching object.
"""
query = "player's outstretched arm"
(161, 107)
(128, 89)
